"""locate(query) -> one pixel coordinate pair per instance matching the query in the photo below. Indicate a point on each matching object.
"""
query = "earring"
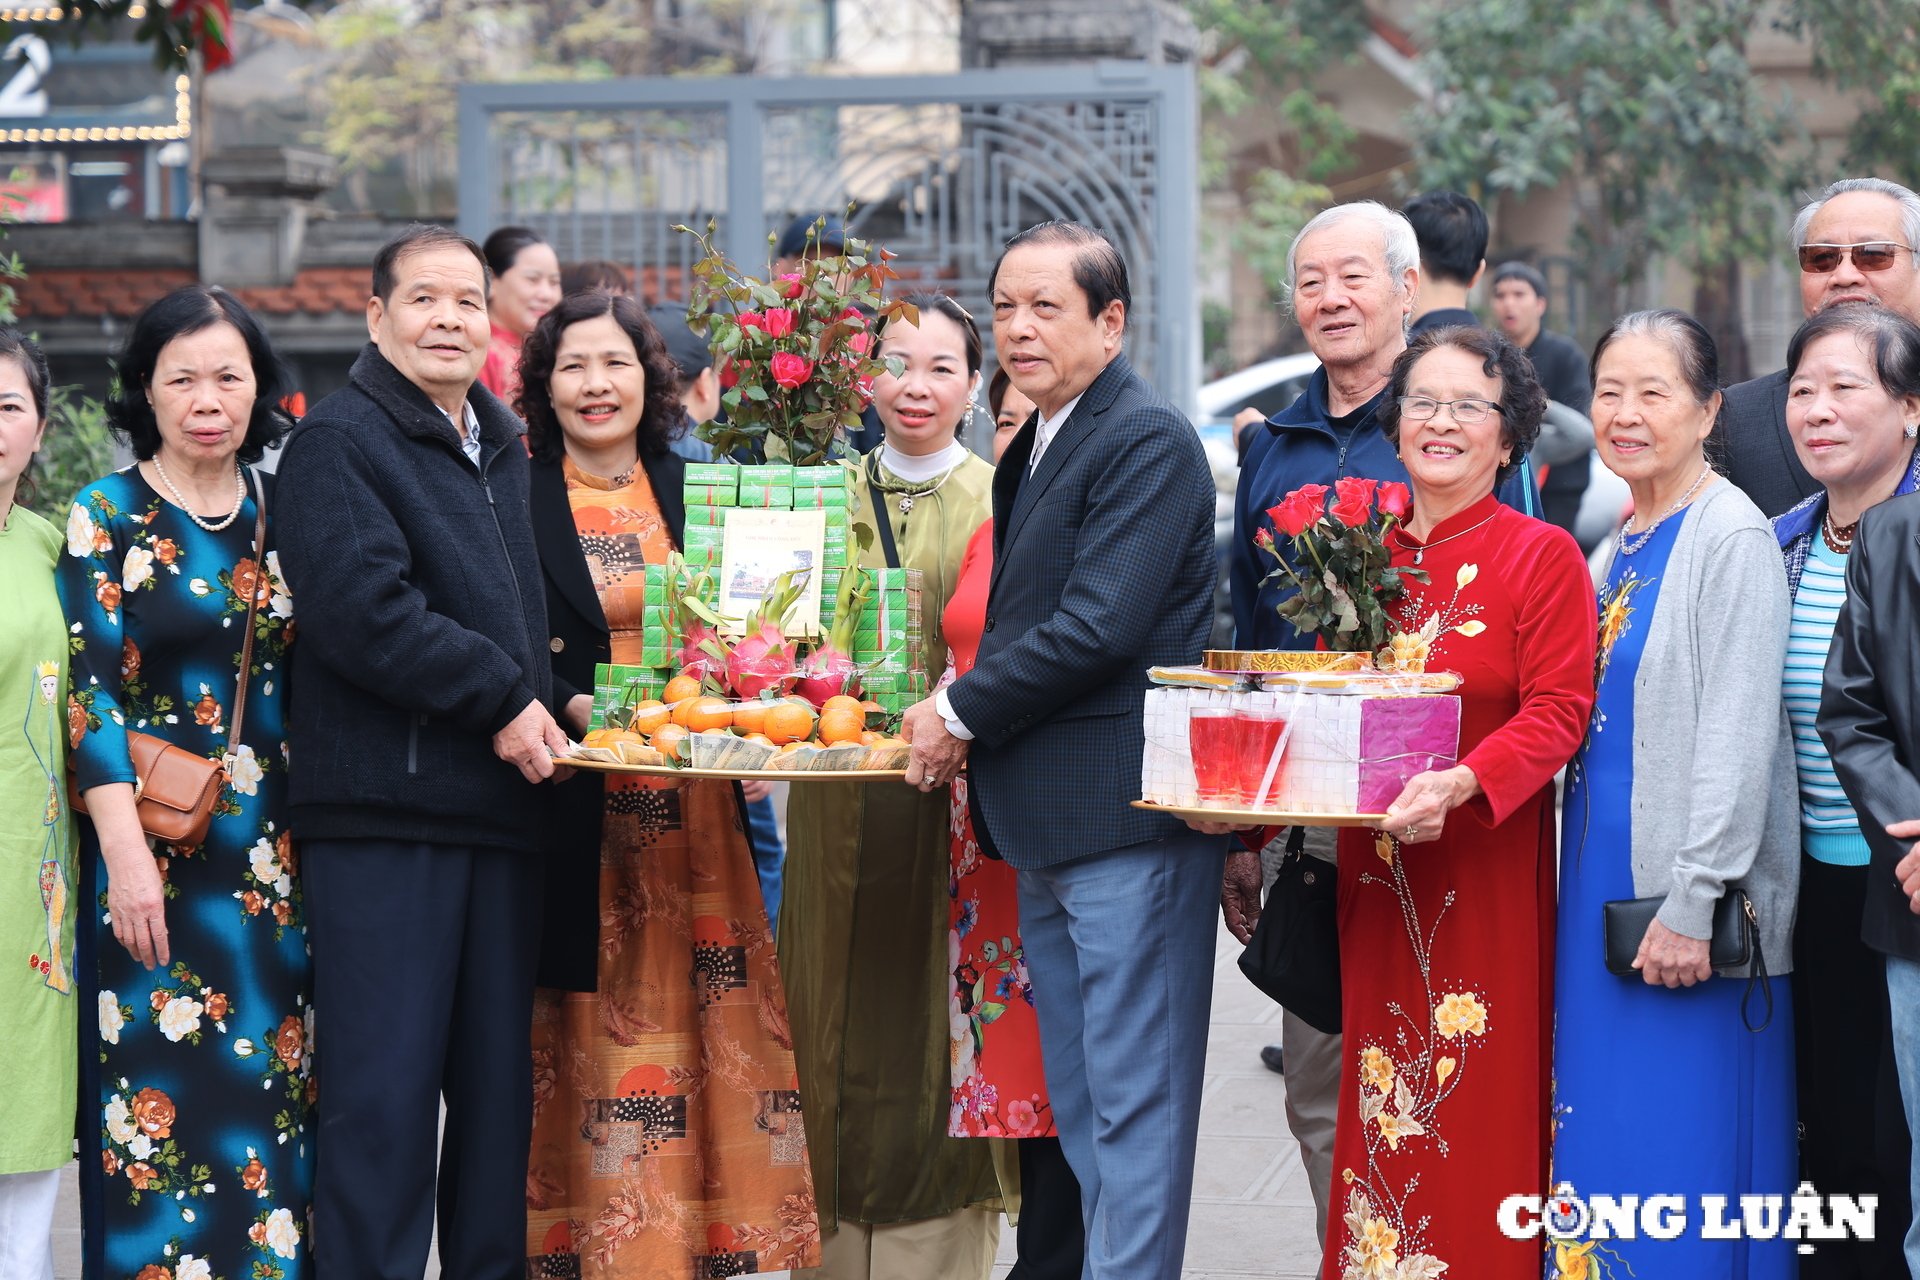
(973, 406)
(1913, 430)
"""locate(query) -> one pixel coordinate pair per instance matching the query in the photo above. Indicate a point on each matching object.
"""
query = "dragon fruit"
(763, 658)
(830, 670)
(701, 655)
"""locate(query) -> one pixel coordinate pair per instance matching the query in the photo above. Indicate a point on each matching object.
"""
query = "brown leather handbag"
(174, 790)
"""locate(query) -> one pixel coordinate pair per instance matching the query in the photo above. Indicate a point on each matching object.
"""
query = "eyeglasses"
(1868, 255)
(1465, 412)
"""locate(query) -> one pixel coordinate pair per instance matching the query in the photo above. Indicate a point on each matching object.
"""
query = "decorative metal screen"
(939, 169)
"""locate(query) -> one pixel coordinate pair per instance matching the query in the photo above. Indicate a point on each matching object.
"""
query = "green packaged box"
(819, 478)
(657, 646)
(711, 484)
(706, 515)
(702, 535)
(780, 473)
(623, 684)
(773, 497)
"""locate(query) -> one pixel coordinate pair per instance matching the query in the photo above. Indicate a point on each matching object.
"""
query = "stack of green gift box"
(888, 642)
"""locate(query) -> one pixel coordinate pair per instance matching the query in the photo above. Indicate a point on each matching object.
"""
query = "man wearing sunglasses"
(1855, 244)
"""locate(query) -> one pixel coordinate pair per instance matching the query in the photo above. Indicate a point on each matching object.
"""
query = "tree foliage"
(1675, 148)
(1872, 47)
(1272, 58)
(393, 85)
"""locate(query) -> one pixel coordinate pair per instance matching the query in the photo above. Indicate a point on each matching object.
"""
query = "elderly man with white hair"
(1856, 242)
(1354, 279)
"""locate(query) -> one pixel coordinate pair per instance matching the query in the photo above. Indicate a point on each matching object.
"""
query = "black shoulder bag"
(1294, 954)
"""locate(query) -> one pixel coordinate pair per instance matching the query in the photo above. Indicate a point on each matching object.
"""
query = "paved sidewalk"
(1252, 1215)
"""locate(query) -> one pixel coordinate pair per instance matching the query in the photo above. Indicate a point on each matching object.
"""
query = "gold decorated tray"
(737, 775)
(1263, 817)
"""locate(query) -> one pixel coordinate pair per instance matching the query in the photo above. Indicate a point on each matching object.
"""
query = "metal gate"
(940, 169)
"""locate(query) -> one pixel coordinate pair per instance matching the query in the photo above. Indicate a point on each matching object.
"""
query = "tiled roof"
(59, 293)
(75, 294)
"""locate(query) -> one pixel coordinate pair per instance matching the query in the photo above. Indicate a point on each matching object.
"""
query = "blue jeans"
(1120, 945)
(1903, 994)
(769, 855)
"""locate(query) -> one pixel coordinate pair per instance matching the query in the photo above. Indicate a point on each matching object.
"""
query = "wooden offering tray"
(737, 775)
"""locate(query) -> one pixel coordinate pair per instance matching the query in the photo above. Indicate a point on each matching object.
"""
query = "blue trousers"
(769, 855)
(425, 956)
(1120, 947)
(1903, 994)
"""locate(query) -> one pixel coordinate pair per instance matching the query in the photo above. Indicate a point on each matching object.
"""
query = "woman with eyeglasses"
(1446, 912)
(1668, 1067)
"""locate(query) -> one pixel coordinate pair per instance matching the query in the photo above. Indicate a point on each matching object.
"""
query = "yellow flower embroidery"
(1460, 1013)
(1395, 1127)
(1570, 1261)
(1373, 1249)
(1442, 1069)
(1377, 1068)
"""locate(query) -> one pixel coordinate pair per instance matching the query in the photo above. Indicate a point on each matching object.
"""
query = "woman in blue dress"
(199, 1078)
(1676, 1081)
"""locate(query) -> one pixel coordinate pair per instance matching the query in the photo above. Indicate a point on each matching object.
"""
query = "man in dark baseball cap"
(809, 235)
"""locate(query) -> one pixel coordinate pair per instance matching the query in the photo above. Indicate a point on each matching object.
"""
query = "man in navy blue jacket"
(1103, 567)
(1355, 279)
(419, 728)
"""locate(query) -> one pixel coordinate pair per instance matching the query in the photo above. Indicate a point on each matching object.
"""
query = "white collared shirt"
(470, 437)
(1043, 434)
(1047, 429)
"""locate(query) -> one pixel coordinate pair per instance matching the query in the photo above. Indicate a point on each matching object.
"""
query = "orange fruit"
(750, 717)
(667, 739)
(840, 701)
(760, 738)
(679, 689)
(786, 722)
(649, 715)
(843, 723)
(703, 713)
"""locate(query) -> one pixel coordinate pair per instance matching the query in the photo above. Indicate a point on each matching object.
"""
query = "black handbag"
(1735, 942)
(1294, 954)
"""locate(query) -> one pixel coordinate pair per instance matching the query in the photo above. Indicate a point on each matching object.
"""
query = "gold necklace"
(1420, 553)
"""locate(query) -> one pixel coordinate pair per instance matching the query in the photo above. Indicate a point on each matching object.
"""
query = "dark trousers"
(1853, 1131)
(423, 960)
(1052, 1242)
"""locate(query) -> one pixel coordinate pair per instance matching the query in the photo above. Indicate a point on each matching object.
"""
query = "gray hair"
(1909, 208)
(1402, 247)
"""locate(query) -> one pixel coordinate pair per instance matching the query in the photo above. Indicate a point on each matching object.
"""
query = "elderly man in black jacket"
(419, 727)
(1856, 242)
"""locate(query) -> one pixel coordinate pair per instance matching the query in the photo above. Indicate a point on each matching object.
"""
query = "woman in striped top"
(1853, 405)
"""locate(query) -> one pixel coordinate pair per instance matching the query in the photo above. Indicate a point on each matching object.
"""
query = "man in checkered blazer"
(1103, 566)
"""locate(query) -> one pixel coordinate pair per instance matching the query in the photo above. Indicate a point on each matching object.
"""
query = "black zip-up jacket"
(422, 620)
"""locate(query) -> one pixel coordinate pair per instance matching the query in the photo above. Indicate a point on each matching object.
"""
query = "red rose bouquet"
(1339, 564)
(794, 354)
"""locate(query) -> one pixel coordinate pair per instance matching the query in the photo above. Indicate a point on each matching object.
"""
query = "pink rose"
(789, 370)
(793, 286)
(752, 320)
(780, 322)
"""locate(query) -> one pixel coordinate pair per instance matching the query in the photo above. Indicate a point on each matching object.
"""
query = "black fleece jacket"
(421, 619)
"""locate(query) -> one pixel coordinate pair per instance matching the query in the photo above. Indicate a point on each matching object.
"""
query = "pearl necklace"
(1640, 539)
(1838, 537)
(239, 497)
